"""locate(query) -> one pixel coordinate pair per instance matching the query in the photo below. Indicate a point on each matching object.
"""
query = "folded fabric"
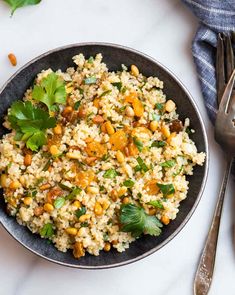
(214, 16)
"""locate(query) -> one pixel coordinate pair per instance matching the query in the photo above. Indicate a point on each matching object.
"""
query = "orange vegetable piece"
(12, 59)
(84, 178)
(151, 187)
(95, 149)
(138, 107)
(118, 140)
(133, 150)
(130, 97)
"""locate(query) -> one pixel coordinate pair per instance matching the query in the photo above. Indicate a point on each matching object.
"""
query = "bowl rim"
(188, 216)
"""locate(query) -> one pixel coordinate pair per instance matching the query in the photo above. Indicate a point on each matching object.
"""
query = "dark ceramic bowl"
(113, 56)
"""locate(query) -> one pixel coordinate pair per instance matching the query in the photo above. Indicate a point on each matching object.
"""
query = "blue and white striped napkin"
(214, 16)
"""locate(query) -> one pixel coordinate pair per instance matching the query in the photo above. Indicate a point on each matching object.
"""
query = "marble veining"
(162, 29)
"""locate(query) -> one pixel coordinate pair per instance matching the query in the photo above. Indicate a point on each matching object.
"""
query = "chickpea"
(107, 247)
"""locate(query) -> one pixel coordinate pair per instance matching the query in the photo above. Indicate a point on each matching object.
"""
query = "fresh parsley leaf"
(128, 183)
(65, 187)
(178, 172)
(105, 157)
(102, 188)
(110, 173)
(124, 89)
(188, 130)
(30, 123)
(47, 230)
(138, 144)
(166, 189)
(80, 212)
(77, 105)
(105, 92)
(90, 80)
(15, 4)
(135, 220)
(156, 204)
(168, 164)
(48, 164)
(90, 60)
(142, 166)
(118, 85)
(76, 191)
(158, 143)
(81, 91)
(59, 202)
(159, 106)
(50, 91)
(84, 224)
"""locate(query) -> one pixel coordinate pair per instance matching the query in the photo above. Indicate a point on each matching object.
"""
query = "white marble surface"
(162, 29)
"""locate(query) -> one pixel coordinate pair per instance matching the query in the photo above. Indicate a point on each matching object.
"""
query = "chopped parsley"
(166, 189)
(80, 212)
(156, 204)
(47, 230)
(138, 144)
(168, 164)
(128, 183)
(110, 173)
(158, 143)
(118, 85)
(142, 167)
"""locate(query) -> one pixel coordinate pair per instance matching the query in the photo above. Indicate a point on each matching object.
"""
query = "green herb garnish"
(105, 92)
(128, 183)
(84, 224)
(102, 188)
(135, 220)
(156, 204)
(105, 157)
(166, 189)
(179, 170)
(90, 60)
(50, 91)
(30, 124)
(48, 164)
(168, 164)
(138, 144)
(59, 202)
(74, 192)
(142, 166)
(80, 212)
(47, 230)
(15, 4)
(90, 80)
(110, 173)
(65, 187)
(118, 85)
(159, 106)
(158, 143)
(77, 105)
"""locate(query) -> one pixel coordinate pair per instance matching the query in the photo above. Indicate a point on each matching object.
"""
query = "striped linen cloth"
(214, 16)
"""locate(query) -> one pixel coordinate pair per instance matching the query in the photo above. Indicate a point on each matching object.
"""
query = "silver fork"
(225, 136)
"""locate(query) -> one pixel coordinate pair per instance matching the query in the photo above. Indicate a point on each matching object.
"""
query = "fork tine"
(229, 57)
(220, 75)
(223, 107)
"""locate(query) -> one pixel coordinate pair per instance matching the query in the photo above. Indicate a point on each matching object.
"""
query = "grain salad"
(94, 159)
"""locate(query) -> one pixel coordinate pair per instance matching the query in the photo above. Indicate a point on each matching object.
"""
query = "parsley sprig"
(135, 220)
(30, 123)
(51, 91)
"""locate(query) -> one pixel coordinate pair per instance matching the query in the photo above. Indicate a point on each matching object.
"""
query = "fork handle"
(204, 274)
